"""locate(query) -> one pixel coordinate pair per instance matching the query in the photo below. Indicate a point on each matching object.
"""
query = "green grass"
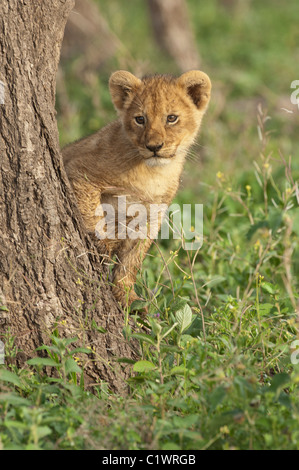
(216, 370)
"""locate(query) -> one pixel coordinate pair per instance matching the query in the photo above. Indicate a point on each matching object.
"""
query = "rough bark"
(173, 32)
(50, 273)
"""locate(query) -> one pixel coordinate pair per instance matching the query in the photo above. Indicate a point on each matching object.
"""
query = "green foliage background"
(216, 370)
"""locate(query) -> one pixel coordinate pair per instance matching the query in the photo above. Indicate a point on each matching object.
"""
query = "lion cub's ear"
(198, 86)
(121, 85)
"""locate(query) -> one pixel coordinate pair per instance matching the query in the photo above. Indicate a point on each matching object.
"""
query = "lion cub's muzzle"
(156, 154)
(155, 148)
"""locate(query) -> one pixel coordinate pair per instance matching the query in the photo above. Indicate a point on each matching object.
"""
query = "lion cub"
(139, 156)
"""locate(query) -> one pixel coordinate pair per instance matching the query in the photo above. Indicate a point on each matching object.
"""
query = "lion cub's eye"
(140, 119)
(172, 118)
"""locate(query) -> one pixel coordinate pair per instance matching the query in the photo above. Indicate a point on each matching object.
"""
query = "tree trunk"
(50, 274)
(173, 31)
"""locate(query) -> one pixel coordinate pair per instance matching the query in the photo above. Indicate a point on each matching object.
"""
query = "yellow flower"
(257, 244)
(224, 430)
(220, 176)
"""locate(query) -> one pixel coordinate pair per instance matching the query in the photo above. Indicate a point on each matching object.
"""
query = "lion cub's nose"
(154, 148)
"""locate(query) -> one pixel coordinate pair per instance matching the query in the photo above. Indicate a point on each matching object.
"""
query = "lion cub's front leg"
(130, 255)
(88, 200)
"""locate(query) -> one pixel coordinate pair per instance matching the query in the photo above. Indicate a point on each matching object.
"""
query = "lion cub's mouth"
(158, 160)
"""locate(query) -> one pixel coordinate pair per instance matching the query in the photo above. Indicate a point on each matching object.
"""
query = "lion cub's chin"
(157, 161)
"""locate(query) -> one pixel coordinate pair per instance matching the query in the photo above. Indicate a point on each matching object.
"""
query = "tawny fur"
(116, 160)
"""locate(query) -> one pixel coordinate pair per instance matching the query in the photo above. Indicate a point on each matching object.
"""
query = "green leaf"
(268, 287)
(182, 422)
(138, 305)
(42, 431)
(156, 327)
(217, 396)
(275, 219)
(14, 400)
(179, 304)
(80, 350)
(185, 339)
(53, 349)
(9, 423)
(71, 366)
(166, 333)
(127, 331)
(43, 361)
(170, 446)
(170, 348)
(10, 377)
(62, 343)
(125, 360)
(138, 291)
(278, 382)
(265, 309)
(32, 447)
(184, 317)
(98, 328)
(178, 370)
(215, 280)
(143, 366)
(13, 447)
(255, 227)
(144, 337)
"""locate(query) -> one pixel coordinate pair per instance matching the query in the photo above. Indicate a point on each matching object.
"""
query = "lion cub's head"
(161, 114)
